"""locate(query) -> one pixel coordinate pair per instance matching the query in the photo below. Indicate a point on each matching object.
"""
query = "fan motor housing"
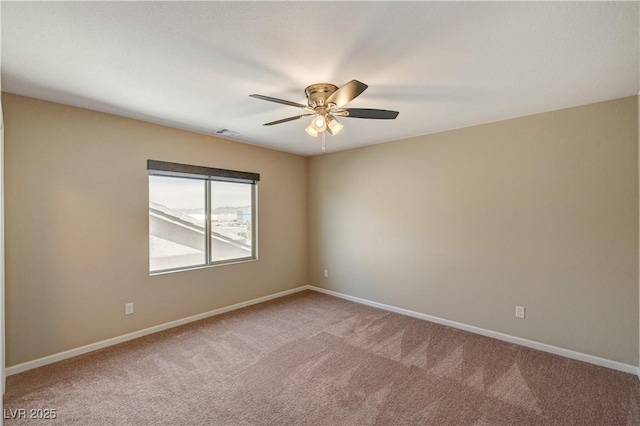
(318, 93)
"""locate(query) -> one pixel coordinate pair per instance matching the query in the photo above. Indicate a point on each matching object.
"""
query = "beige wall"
(77, 227)
(539, 211)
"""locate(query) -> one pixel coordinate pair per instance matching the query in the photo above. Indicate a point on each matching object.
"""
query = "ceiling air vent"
(228, 133)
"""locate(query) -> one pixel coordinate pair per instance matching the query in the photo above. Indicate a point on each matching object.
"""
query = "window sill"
(211, 265)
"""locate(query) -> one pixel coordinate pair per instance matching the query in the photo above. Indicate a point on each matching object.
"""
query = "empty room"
(320, 213)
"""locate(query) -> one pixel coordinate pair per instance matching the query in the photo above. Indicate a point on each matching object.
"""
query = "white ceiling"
(443, 65)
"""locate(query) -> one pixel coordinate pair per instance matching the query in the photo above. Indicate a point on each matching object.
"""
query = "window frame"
(208, 175)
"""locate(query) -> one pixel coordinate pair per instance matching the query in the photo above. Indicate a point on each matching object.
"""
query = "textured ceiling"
(443, 65)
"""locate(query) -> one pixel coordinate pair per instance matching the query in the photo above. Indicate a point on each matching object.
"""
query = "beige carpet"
(312, 359)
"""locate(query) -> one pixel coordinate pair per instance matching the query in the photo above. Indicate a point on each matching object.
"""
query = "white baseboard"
(627, 368)
(19, 368)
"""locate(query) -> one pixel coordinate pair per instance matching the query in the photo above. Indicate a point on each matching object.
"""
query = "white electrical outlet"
(128, 308)
(519, 311)
(326, 273)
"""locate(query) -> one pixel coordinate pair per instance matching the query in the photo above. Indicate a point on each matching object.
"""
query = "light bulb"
(319, 123)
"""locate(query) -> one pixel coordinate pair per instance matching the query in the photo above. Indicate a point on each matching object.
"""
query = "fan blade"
(281, 101)
(347, 93)
(284, 120)
(380, 114)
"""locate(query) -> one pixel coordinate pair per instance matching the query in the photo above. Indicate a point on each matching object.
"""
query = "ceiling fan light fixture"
(319, 123)
(311, 131)
(325, 103)
(334, 125)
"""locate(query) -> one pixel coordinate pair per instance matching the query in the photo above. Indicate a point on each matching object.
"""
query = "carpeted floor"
(312, 359)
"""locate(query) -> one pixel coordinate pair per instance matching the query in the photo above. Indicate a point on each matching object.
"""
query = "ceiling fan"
(325, 103)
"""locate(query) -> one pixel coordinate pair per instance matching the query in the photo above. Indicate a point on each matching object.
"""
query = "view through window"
(197, 221)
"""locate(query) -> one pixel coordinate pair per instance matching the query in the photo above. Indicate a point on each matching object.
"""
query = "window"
(200, 216)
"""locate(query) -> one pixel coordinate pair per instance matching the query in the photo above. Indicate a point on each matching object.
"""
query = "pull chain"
(323, 146)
